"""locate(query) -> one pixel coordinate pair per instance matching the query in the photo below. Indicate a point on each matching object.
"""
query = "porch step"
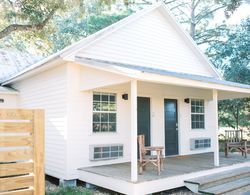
(227, 187)
(216, 182)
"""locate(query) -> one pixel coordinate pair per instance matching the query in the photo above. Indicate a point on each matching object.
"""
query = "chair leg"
(140, 168)
(158, 163)
(162, 162)
(227, 150)
(245, 149)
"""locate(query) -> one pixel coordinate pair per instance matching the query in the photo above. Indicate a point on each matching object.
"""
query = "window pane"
(96, 127)
(105, 155)
(97, 149)
(112, 98)
(105, 149)
(114, 148)
(112, 107)
(104, 117)
(114, 154)
(96, 117)
(112, 127)
(97, 155)
(97, 97)
(112, 117)
(104, 127)
(120, 153)
(105, 98)
(96, 106)
(120, 147)
(104, 106)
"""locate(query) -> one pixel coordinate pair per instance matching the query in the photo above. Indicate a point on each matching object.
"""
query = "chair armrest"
(154, 148)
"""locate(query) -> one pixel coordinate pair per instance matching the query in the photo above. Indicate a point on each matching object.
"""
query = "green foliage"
(69, 30)
(232, 55)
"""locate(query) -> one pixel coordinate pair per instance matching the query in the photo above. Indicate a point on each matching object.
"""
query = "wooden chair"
(234, 140)
(146, 157)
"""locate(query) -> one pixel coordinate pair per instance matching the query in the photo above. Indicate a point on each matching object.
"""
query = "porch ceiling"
(226, 89)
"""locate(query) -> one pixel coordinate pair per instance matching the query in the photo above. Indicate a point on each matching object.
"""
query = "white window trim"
(191, 113)
(111, 112)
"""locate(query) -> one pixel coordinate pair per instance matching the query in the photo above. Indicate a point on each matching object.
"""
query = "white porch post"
(216, 133)
(133, 115)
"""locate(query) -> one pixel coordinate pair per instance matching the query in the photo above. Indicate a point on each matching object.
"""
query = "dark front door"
(171, 126)
(143, 118)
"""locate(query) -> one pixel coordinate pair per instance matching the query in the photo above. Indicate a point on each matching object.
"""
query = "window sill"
(105, 159)
(104, 133)
(198, 129)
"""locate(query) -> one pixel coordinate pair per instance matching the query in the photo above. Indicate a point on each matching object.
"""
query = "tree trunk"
(192, 20)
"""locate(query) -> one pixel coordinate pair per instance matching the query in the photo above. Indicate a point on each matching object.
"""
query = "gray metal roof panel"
(12, 62)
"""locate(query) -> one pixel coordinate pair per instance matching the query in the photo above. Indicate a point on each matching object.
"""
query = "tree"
(232, 55)
(26, 15)
(196, 15)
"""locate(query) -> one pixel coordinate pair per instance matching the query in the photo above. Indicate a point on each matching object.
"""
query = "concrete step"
(226, 187)
(219, 178)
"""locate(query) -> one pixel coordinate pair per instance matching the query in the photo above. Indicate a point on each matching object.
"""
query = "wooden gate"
(21, 152)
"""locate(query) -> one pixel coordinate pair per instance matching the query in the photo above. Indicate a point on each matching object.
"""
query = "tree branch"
(26, 27)
(200, 17)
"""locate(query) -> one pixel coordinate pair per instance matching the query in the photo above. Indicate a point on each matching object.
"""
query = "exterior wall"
(48, 91)
(152, 40)
(157, 94)
(10, 100)
(80, 135)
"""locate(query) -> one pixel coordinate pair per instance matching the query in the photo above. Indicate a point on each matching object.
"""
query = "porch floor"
(173, 166)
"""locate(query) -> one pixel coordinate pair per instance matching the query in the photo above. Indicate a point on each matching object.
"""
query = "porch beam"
(133, 115)
(216, 129)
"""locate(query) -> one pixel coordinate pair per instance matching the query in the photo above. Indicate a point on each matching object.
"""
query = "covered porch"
(176, 170)
(159, 85)
(172, 166)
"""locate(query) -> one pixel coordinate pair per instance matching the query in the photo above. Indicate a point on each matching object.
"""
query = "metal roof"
(7, 90)
(12, 62)
(164, 72)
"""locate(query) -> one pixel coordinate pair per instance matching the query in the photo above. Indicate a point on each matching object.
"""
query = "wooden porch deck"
(173, 166)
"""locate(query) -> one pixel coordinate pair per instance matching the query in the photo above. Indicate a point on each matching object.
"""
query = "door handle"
(176, 126)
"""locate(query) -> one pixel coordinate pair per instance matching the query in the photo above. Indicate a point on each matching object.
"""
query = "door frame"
(178, 122)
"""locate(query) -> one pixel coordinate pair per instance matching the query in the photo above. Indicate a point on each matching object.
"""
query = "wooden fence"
(21, 152)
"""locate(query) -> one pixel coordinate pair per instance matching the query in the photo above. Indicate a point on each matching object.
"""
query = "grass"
(69, 191)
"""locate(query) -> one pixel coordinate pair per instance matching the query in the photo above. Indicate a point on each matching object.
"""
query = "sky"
(240, 13)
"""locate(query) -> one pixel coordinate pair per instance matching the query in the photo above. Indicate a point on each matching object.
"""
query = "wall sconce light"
(187, 100)
(125, 96)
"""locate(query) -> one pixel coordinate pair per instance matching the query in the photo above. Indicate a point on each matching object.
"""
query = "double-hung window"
(104, 112)
(197, 114)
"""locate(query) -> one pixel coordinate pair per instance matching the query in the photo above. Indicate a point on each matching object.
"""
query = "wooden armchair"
(145, 156)
(234, 140)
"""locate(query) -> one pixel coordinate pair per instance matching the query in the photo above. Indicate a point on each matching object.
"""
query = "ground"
(52, 189)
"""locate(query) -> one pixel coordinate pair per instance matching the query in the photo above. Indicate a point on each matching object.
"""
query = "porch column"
(216, 128)
(133, 118)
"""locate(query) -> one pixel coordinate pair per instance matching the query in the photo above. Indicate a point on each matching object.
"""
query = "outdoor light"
(125, 96)
(186, 100)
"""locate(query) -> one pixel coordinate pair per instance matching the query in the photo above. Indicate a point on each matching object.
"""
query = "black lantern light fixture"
(125, 96)
(187, 100)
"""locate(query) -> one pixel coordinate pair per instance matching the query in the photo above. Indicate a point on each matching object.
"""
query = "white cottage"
(125, 80)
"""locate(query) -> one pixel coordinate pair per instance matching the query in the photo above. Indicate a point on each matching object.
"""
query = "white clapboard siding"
(80, 135)
(8, 100)
(48, 91)
(152, 40)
